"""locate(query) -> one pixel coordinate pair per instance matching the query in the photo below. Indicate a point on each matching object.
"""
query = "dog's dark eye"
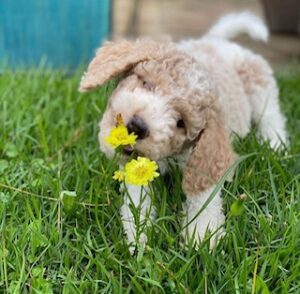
(148, 85)
(180, 124)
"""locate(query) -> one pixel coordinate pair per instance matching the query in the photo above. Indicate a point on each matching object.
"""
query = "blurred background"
(66, 33)
(60, 33)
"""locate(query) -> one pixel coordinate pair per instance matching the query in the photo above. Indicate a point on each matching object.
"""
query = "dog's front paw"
(201, 230)
(198, 225)
(137, 245)
(135, 240)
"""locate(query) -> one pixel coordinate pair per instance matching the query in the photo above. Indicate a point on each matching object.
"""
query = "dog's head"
(164, 96)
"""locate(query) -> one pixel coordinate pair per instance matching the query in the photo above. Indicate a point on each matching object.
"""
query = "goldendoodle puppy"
(184, 101)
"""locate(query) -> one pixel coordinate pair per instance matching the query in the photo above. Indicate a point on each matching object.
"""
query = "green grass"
(68, 244)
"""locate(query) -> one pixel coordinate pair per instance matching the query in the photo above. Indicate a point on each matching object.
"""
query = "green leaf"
(68, 199)
(3, 166)
(38, 239)
(151, 282)
(185, 268)
(261, 286)
(41, 286)
(14, 287)
(37, 272)
(4, 198)
(11, 150)
(237, 208)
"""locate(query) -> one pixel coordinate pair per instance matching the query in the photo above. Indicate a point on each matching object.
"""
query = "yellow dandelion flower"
(141, 171)
(119, 135)
(119, 175)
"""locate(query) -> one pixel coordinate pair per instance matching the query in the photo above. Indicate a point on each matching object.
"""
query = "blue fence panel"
(64, 32)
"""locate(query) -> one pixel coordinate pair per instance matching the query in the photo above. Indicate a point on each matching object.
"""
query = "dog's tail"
(234, 24)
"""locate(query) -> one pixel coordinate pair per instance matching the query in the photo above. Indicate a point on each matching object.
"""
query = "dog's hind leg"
(262, 91)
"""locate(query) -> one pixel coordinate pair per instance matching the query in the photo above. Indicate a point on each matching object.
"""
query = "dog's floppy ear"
(210, 159)
(114, 58)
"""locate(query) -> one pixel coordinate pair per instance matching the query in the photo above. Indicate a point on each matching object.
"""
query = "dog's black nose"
(139, 127)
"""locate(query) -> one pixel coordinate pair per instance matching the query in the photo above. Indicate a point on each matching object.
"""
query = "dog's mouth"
(128, 150)
(130, 153)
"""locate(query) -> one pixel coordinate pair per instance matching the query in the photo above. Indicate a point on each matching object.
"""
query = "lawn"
(60, 231)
